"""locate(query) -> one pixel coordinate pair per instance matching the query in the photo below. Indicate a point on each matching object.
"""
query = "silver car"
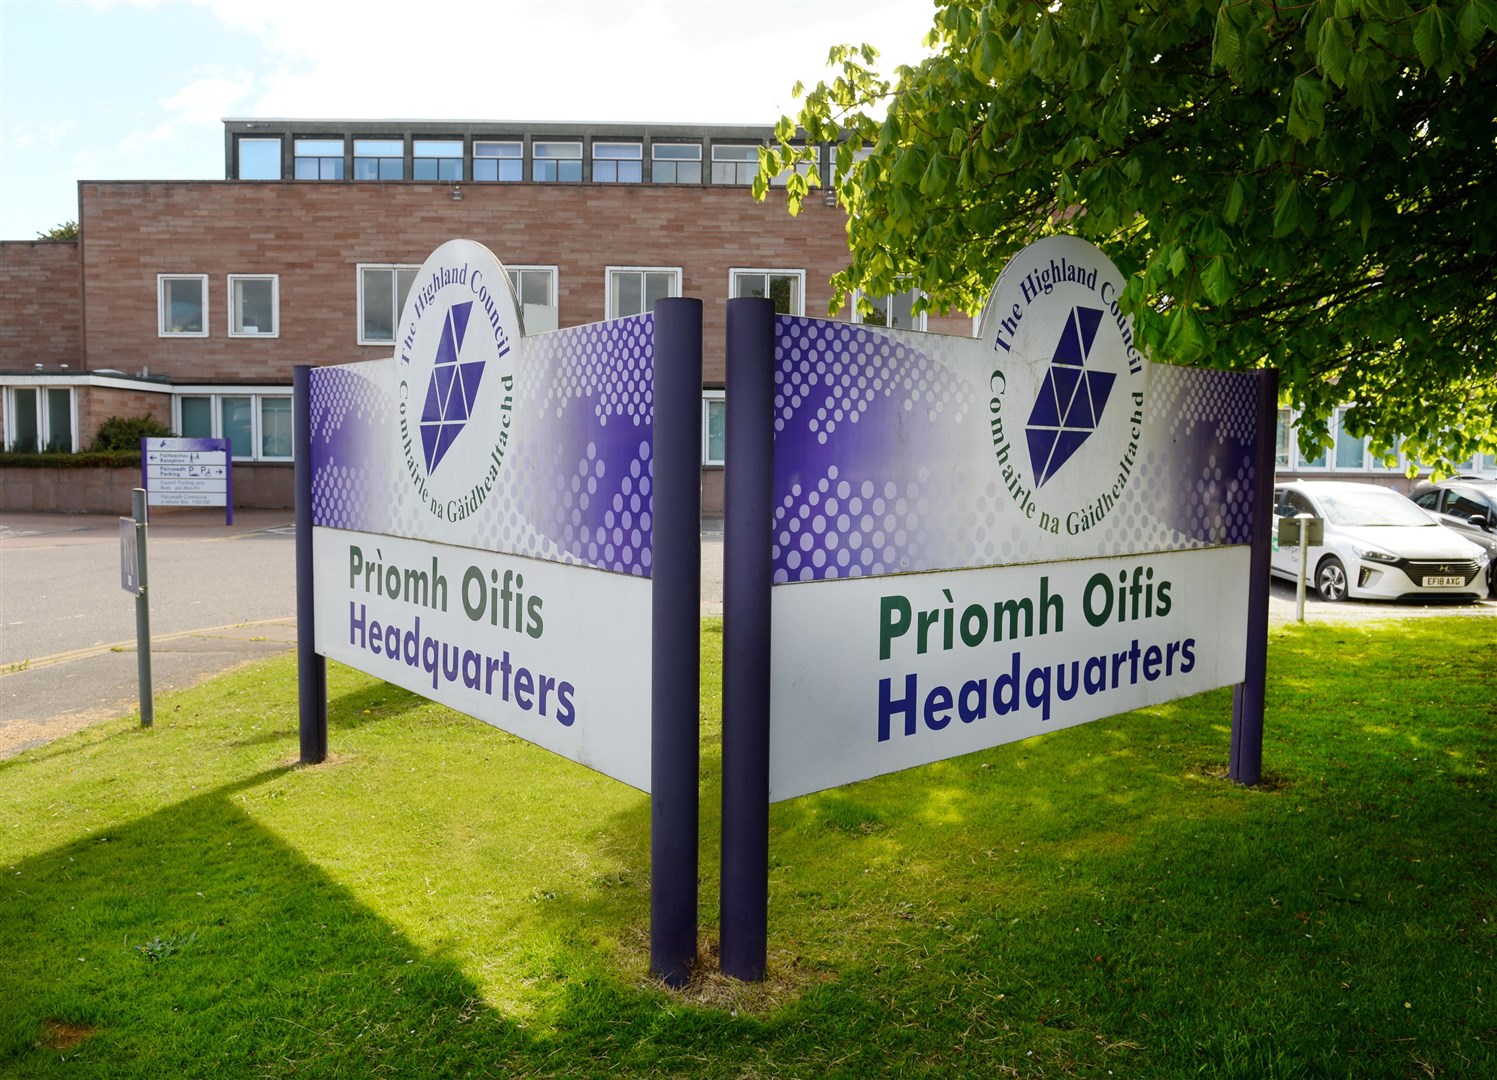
(1378, 545)
(1467, 504)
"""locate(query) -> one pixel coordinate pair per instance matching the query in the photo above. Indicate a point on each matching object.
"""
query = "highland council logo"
(1066, 388)
(454, 366)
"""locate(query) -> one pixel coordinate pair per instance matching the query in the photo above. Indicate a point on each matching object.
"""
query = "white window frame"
(258, 395)
(611, 271)
(44, 415)
(376, 149)
(245, 140)
(609, 150)
(919, 320)
(711, 399)
(518, 157)
(768, 272)
(736, 163)
(553, 288)
(536, 159)
(394, 269)
(658, 159)
(162, 308)
(275, 306)
(429, 145)
(313, 144)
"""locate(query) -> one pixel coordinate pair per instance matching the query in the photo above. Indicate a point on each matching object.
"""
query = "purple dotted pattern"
(884, 462)
(1208, 476)
(576, 483)
(859, 413)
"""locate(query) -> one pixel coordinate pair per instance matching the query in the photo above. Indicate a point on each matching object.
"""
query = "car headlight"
(1374, 555)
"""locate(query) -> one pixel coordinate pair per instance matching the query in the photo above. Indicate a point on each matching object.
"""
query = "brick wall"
(40, 321)
(107, 491)
(98, 403)
(314, 234)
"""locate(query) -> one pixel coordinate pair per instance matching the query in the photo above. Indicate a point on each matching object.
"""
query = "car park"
(1467, 504)
(1378, 545)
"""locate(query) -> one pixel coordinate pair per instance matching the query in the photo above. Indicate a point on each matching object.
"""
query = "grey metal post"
(311, 668)
(1245, 764)
(142, 611)
(747, 526)
(675, 664)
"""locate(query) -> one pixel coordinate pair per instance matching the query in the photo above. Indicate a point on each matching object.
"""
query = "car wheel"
(1330, 579)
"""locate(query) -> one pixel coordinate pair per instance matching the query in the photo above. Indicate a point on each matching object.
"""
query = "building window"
(676, 163)
(254, 305)
(318, 159)
(787, 288)
(895, 312)
(258, 426)
(535, 292)
(40, 418)
(802, 167)
(378, 159)
(1351, 452)
(259, 159)
(1281, 439)
(556, 161)
(182, 303)
(382, 292)
(500, 161)
(734, 164)
(714, 427)
(437, 159)
(633, 290)
(617, 163)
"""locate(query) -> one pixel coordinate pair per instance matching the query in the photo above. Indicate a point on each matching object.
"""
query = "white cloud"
(663, 60)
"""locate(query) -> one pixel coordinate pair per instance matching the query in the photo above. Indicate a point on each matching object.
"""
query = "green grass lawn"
(441, 898)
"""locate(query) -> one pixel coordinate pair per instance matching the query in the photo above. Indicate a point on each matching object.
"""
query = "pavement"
(222, 595)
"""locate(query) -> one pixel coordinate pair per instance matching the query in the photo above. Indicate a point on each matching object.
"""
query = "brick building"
(191, 301)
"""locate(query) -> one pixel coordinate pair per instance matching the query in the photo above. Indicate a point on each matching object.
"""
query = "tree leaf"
(1286, 210)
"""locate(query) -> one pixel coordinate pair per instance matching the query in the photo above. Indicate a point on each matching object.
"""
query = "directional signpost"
(188, 472)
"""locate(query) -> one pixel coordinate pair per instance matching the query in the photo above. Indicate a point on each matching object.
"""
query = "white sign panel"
(186, 471)
(879, 674)
(552, 653)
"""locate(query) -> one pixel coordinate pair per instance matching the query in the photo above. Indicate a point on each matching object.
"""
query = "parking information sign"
(188, 472)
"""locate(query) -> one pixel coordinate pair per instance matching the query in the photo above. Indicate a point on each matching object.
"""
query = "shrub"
(125, 432)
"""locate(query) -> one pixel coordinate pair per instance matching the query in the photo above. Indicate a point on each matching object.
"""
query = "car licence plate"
(1432, 581)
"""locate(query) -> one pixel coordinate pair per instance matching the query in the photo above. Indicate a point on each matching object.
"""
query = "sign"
(482, 515)
(1290, 528)
(129, 557)
(187, 472)
(975, 541)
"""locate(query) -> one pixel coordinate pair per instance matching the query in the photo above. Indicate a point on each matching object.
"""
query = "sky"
(139, 89)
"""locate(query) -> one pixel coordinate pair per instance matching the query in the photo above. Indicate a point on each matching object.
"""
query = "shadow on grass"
(194, 942)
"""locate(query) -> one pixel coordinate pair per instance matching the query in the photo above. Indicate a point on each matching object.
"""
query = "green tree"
(68, 230)
(1311, 186)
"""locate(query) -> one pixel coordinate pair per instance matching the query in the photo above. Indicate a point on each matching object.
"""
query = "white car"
(1378, 545)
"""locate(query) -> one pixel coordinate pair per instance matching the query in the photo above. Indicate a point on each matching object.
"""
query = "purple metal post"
(1245, 764)
(749, 494)
(311, 668)
(675, 666)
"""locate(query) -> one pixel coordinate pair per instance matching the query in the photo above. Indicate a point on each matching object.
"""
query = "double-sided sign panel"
(187, 472)
(481, 505)
(976, 541)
